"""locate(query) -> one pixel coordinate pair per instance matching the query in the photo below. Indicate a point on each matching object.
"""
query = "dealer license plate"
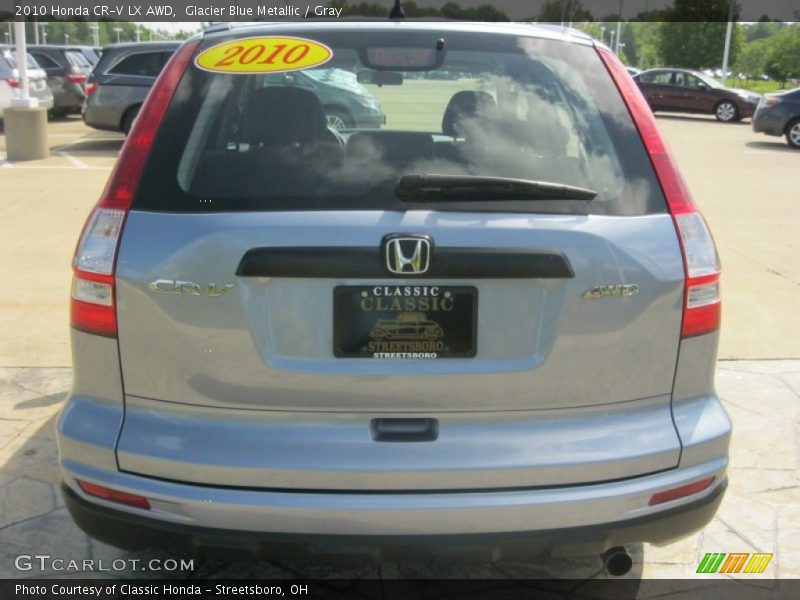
(405, 321)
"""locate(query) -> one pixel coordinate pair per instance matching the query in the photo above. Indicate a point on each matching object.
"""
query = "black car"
(779, 114)
(121, 81)
(67, 69)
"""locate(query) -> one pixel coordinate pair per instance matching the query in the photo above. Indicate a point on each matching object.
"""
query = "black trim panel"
(364, 262)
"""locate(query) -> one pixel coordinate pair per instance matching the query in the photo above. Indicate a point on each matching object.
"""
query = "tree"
(484, 12)
(752, 60)
(762, 29)
(693, 34)
(487, 12)
(413, 11)
(451, 10)
(80, 32)
(564, 11)
(783, 56)
(648, 44)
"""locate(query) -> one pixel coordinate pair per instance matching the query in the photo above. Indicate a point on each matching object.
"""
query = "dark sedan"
(779, 114)
(680, 90)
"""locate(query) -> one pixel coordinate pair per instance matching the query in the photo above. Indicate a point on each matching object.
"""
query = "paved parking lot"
(744, 183)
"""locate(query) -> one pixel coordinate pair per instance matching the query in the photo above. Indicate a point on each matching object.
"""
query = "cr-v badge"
(604, 291)
(171, 286)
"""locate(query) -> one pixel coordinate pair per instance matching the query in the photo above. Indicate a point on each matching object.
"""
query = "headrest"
(466, 105)
(284, 115)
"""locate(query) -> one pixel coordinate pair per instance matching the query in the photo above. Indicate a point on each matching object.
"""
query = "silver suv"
(491, 322)
(120, 81)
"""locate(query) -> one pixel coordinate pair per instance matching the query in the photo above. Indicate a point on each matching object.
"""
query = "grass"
(418, 104)
(756, 85)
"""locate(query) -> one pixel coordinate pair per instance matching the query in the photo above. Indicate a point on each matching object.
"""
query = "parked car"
(120, 82)
(91, 53)
(779, 114)
(67, 69)
(445, 75)
(680, 90)
(556, 387)
(10, 87)
(346, 102)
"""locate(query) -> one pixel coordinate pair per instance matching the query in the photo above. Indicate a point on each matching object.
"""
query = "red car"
(681, 90)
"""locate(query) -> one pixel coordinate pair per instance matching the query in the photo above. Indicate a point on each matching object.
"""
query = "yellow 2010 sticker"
(264, 55)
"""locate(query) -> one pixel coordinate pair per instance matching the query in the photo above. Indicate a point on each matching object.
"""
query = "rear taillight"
(12, 82)
(93, 281)
(76, 78)
(90, 88)
(770, 100)
(93, 307)
(701, 303)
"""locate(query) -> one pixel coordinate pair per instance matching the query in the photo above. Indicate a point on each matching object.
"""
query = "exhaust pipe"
(617, 561)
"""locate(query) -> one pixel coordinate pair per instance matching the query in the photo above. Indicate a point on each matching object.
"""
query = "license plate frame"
(390, 321)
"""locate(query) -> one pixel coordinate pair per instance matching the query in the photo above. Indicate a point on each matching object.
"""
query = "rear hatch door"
(262, 331)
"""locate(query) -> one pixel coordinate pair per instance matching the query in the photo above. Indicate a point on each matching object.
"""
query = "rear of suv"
(11, 84)
(491, 323)
(120, 82)
(67, 69)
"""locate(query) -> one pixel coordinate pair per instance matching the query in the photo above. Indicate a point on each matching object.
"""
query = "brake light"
(100, 491)
(90, 88)
(76, 78)
(702, 301)
(12, 82)
(93, 307)
(770, 100)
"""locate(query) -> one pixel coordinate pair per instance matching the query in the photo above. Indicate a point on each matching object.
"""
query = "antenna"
(397, 11)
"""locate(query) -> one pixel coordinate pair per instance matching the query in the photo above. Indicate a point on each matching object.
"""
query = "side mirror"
(702, 87)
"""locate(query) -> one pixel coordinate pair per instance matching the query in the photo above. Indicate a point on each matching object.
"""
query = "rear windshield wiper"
(421, 188)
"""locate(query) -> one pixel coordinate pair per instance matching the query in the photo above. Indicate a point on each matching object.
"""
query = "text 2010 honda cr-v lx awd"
(492, 322)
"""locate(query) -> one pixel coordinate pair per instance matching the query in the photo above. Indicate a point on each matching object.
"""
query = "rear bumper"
(574, 520)
(591, 517)
(746, 109)
(769, 122)
(68, 99)
(105, 119)
(134, 531)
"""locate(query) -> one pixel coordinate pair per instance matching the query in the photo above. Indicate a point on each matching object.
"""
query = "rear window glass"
(687, 80)
(10, 60)
(141, 64)
(91, 56)
(77, 59)
(662, 77)
(45, 61)
(336, 137)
